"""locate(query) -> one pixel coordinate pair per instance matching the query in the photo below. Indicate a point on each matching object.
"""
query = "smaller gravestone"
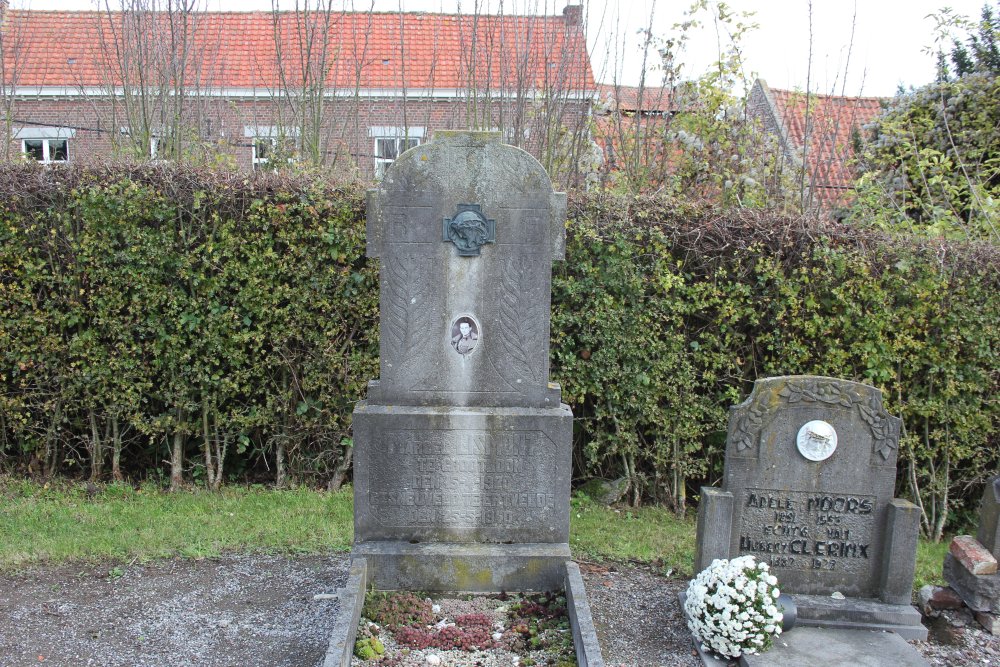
(810, 471)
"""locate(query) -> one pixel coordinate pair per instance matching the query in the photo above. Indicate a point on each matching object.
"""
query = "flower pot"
(789, 611)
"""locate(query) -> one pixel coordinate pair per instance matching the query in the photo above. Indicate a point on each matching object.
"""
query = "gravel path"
(249, 611)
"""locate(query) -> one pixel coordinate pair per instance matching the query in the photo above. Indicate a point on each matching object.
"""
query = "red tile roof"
(833, 122)
(655, 99)
(367, 50)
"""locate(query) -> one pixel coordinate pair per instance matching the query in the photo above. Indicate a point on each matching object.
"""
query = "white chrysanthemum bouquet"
(732, 607)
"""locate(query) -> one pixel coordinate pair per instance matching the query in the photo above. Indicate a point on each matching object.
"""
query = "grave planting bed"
(408, 628)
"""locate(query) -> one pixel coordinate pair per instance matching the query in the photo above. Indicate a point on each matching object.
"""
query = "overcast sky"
(890, 36)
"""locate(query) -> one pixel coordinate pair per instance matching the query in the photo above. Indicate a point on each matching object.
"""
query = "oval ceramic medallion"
(816, 440)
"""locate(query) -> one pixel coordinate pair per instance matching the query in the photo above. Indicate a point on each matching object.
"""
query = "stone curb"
(352, 600)
(588, 649)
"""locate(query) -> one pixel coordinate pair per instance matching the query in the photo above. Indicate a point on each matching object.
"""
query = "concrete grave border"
(352, 600)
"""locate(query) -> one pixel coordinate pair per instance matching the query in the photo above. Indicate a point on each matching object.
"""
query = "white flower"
(730, 608)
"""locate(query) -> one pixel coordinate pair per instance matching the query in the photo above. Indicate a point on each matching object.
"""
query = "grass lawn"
(59, 523)
(62, 522)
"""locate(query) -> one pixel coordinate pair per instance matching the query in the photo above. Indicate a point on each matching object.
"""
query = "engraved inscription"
(528, 227)
(407, 224)
(801, 530)
(463, 479)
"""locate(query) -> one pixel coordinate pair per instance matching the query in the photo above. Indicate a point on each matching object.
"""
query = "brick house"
(631, 125)
(346, 90)
(827, 137)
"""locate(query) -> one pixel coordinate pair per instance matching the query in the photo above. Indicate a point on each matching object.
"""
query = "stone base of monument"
(841, 646)
(833, 647)
(859, 614)
(472, 568)
(352, 599)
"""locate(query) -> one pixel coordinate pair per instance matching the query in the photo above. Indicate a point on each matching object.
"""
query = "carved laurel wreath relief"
(405, 315)
(871, 411)
(522, 323)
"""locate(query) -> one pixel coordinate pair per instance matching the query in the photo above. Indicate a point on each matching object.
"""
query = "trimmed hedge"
(665, 314)
(156, 310)
(159, 310)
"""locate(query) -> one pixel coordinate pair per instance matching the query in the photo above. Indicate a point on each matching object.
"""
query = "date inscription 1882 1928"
(808, 531)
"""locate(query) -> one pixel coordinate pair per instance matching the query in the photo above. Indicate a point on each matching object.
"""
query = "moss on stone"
(369, 648)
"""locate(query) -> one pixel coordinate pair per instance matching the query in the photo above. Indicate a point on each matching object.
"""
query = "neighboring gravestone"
(810, 470)
(970, 566)
(462, 449)
(989, 518)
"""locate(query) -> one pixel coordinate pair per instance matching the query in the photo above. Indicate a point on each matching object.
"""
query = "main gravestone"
(462, 448)
(808, 486)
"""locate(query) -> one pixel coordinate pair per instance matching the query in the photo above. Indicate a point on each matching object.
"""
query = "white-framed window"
(268, 142)
(154, 142)
(46, 144)
(391, 142)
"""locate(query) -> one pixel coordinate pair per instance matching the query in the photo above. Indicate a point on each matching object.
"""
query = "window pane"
(261, 149)
(386, 148)
(409, 143)
(33, 149)
(58, 150)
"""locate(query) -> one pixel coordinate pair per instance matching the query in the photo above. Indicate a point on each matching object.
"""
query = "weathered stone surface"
(990, 622)
(859, 614)
(486, 475)
(475, 568)
(588, 648)
(715, 527)
(605, 491)
(463, 449)
(820, 524)
(809, 475)
(899, 557)
(980, 592)
(972, 555)
(352, 600)
(427, 285)
(829, 646)
(863, 624)
(933, 599)
(989, 518)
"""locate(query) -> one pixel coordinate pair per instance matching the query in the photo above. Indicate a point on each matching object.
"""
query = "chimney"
(573, 15)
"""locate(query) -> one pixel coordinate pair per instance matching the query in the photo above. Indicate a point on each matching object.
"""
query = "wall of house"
(215, 127)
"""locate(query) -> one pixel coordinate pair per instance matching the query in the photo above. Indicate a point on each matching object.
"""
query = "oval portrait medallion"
(465, 333)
